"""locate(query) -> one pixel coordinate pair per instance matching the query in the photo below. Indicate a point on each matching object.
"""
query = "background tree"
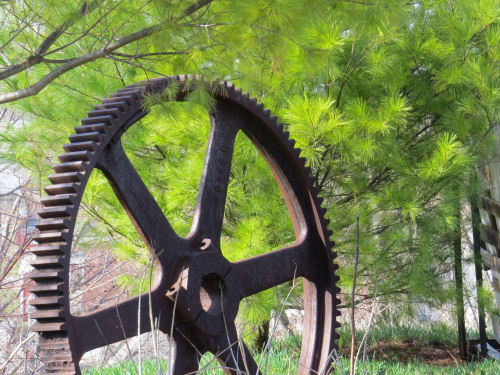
(392, 103)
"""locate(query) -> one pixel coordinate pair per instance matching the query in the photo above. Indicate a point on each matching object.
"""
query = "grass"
(279, 366)
(486, 367)
(284, 355)
(435, 334)
(280, 360)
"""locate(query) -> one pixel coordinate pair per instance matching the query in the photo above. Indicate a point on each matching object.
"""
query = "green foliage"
(392, 102)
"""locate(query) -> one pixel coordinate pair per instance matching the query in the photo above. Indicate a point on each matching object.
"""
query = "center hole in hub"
(212, 293)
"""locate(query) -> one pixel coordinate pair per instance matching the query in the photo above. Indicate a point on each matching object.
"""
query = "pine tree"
(392, 102)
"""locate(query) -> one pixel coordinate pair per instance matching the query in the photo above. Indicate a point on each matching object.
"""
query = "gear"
(194, 277)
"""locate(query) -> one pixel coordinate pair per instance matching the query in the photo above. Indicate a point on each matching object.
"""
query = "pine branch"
(81, 60)
(36, 58)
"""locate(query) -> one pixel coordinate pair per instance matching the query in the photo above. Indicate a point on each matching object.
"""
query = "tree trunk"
(476, 221)
(459, 289)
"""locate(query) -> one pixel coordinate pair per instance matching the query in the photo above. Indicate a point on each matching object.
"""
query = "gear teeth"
(286, 134)
(337, 278)
(320, 201)
(99, 128)
(82, 137)
(63, 178)
(113, 112)
(120, 105)
(70, 166)
(48, 327)
(80, 146)
(55, 212)
(135, 93)
(47, 301)
(55, 348)
(47, 314)
(106, 119)
(54, 239)
(130, 88)
(61, 362)
(48, 287)
(58, 200)
(42, 250)
(129, 99)
(49, 237)
(69, 188)
(46, 275)
(274, 120)
(52, 224)
(59, 366)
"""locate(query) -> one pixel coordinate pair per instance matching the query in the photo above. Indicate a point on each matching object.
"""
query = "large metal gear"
(204, 286)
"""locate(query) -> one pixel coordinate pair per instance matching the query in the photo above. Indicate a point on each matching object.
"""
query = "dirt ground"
(414, 351)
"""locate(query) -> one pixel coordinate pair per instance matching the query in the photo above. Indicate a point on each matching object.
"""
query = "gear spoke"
(187, 357)
(209, 212)
(121, 322)
(146, 215)
(274, 268)
(233, 354)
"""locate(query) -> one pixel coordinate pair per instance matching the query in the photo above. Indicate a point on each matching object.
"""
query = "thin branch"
(196, 6)
(81, 60)
(19, 31)
(82, 35)
(21, 252)
(47, 43)
(76, 62)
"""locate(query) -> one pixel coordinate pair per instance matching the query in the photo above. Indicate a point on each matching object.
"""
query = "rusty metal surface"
(194, 272)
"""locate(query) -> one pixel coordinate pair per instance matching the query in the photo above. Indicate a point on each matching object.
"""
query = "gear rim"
(60, 349)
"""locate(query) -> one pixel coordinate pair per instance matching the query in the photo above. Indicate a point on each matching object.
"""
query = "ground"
(439, 355)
